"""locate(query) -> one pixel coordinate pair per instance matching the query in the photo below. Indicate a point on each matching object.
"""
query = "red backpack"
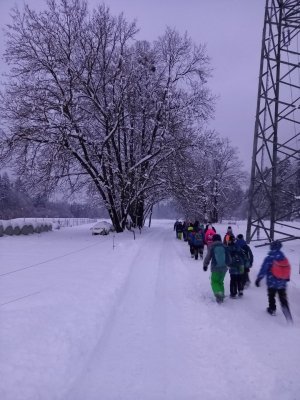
(281, 269)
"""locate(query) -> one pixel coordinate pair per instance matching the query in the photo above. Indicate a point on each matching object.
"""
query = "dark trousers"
(236, 284)
(191, 249)
(198, 250)
(283, 301)
(246, 279)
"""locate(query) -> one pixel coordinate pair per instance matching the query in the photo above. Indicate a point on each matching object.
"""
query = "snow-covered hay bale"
(47, 227)
(16, 230)
(27, 229)
(38, 229)
(9, 230)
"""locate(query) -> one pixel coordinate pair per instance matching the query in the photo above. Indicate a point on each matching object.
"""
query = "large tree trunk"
(115, 220)
(137, 213)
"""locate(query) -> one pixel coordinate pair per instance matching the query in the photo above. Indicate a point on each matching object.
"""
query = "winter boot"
(219, 298)
(270, 311)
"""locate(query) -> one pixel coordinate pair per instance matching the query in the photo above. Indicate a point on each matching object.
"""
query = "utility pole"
(273, 199)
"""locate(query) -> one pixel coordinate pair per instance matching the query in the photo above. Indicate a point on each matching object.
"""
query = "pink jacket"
(208, 236)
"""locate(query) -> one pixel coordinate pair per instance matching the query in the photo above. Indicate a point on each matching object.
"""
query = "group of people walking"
(233, 254)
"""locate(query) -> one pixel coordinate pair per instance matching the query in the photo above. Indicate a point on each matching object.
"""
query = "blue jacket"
(265, 270)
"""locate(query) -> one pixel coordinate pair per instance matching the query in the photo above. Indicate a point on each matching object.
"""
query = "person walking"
(197, 241)
(276, 268)
(185, 226)
(248, 259)
(227, 236)
(209, 234)
(219, 259)
(179, 230)
(236, 268)
(175, 227)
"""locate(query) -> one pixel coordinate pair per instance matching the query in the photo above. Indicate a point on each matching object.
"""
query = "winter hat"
(229, 229)
(276, 245)
(240, 236)
(216, 238)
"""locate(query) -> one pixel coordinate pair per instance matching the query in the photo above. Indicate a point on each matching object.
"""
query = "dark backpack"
(237, 259)
(281, 269)
(246, 257)
(197, 239)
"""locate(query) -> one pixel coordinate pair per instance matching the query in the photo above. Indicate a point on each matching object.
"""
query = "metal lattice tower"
(275, 175)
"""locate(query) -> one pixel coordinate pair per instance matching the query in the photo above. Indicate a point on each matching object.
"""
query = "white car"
(102, 228)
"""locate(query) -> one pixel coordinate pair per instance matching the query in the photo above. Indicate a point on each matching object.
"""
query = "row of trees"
(88, 106)
(16, 202)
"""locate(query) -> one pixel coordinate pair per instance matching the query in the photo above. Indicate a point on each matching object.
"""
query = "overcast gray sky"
(231, 30)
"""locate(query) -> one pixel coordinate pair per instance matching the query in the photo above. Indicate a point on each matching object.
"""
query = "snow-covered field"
(87, 317)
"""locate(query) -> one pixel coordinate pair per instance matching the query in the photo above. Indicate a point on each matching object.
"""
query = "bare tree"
(86, 106)
(209, 172)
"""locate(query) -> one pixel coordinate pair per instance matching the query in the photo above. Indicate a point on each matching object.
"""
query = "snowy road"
(83, 321)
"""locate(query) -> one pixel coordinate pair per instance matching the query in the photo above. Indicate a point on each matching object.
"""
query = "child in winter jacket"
(179, 230)
(276, 280)
(210, 232)
(185, 230)
(248, 259)
(197, 241)
(227, 235)
(219, 258)
(189, 238)
(236, 268)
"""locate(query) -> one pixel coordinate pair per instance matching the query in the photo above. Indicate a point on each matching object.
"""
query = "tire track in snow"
(104, 340)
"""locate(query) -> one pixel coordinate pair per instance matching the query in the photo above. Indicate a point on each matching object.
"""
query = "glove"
(257, 282)
(204, 268)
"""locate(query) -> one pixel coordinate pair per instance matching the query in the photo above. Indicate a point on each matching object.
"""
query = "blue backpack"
(197, 239)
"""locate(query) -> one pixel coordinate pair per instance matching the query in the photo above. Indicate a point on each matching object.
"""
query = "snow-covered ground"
(87, 317)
